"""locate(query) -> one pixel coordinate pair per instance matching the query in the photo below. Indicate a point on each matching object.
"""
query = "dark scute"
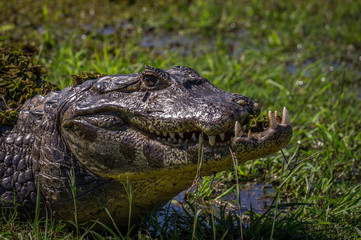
(19, 140)
(29, 175)
(8, 183)
(16, 159)
(21, 178)
(9, 160)
(9, 171)
(21, 165)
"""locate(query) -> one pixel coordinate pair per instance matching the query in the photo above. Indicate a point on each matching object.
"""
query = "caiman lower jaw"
(250, 145)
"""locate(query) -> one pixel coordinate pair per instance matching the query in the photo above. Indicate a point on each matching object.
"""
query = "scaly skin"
(142, 128)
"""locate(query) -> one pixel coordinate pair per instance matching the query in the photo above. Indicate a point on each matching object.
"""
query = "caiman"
(89, 141)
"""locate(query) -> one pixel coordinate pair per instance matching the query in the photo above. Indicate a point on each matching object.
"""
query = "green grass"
(300, 54)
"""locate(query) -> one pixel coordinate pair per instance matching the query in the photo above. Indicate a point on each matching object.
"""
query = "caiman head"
(153, 123)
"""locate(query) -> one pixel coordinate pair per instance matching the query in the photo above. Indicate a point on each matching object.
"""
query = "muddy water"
(254, 195)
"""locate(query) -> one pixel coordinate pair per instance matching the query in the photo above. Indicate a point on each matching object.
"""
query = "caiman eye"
(151, 81)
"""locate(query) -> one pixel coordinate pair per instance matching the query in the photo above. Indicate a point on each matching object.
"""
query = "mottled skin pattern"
(142, 128)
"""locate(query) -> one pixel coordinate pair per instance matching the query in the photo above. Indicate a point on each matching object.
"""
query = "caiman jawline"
(179, 139)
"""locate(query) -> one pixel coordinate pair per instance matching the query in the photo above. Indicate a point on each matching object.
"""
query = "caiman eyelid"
(154, 78)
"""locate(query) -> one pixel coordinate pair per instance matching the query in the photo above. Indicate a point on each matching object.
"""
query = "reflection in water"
(255, 196)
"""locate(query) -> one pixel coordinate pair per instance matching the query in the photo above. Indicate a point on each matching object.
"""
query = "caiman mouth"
(251, 129)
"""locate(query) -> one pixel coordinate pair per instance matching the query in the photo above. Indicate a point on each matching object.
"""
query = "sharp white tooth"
(158, 138)
(212, 140)
(285, 117)
(175, 140)
(172, 135)
(157, 132)
(249, 133)
(222, 136)
(278, 118)
(237, 128)
(180, 141)
(186, 140)
(165, 134)
(169, 140)
(272, 120)
(194, 137)
(181, 134)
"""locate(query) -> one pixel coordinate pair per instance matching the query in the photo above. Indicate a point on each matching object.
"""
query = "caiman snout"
(267, 138)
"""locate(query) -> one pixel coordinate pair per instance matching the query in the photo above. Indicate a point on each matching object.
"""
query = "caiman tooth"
(169, 140)
(278, 117)
(249, 133)
(194, 137)
(157, 132)
(180, 141)
(181, 134)
(212, 140)
(272, 120)
(165, 134)
(222, 136)
(172, 135)
(285, 117)
(237, 128)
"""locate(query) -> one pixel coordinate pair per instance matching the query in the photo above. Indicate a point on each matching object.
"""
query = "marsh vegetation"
(305, 55)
